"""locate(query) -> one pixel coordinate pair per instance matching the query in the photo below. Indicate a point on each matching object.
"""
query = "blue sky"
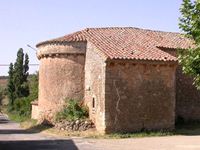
(25, 22)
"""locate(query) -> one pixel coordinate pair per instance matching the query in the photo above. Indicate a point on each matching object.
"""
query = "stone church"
(128, 77)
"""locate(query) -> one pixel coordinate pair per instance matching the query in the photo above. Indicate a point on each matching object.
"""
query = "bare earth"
(12, 137)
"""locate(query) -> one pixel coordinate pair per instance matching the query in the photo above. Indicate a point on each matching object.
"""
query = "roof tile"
(129, 43)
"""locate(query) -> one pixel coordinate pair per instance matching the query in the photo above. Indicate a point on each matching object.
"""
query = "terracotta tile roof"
(129, 43)
(76, 36)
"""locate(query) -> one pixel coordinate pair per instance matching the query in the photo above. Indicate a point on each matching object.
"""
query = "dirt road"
(12, 137)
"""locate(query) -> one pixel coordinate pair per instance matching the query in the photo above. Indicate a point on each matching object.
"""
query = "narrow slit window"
(93, 102)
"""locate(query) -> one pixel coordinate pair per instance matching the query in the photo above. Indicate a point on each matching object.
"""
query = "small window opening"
(93, 102)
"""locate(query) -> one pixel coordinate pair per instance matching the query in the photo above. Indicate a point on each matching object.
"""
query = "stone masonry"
(187, 96)
(95, 68)
(128, 77)
(61, 76)
(139, 96)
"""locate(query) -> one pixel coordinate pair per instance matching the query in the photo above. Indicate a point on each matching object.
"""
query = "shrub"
(22, 106)
(2, 94)
(72, 111)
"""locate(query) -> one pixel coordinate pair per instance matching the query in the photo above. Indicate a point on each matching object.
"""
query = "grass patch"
(93, 134)
(138, 135)
(188, 128)
(28, 123)
(191, 128)
(14, 116)
(32, 126)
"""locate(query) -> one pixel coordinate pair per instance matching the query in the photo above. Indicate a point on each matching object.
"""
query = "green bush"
(22, 106)
(72, 111)
(2, 95)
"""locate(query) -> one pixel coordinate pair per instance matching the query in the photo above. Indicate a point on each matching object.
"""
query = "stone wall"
(61, 76)
(95, 86)
(34, 111)
(187, 96)
(122, 96)
(139, 96)
(64, 48)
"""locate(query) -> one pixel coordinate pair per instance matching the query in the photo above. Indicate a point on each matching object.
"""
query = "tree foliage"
(22, 88)
(190, 19)
(22, 106)
(11, 86)
(190, 24)
(18, 78)
(26, 68)
(21, 74)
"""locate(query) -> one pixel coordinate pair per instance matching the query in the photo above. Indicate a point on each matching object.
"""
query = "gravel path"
(12, 137)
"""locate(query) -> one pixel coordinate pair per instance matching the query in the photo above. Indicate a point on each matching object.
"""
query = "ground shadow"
(35, 129)
(3, 121)
(188, 128)
(38, 145)
(54, 144)
(38, 128)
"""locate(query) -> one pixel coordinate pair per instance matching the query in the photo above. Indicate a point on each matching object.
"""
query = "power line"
(6, 65)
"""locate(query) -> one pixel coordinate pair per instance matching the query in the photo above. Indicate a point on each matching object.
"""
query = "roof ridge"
(83, 38)
(137, 28)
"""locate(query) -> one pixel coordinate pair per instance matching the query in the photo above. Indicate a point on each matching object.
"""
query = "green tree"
(26, 68)
(22, 106)
(33, 84)
(18, 73)
(11, 86)
(18, 86)
(190, 24)
(21, 74)
(25, 86)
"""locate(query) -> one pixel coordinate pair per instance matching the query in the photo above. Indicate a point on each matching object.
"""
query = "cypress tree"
(11, 86)
(26, 68)
(18, 73)
(20, 76)
(25, 86)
